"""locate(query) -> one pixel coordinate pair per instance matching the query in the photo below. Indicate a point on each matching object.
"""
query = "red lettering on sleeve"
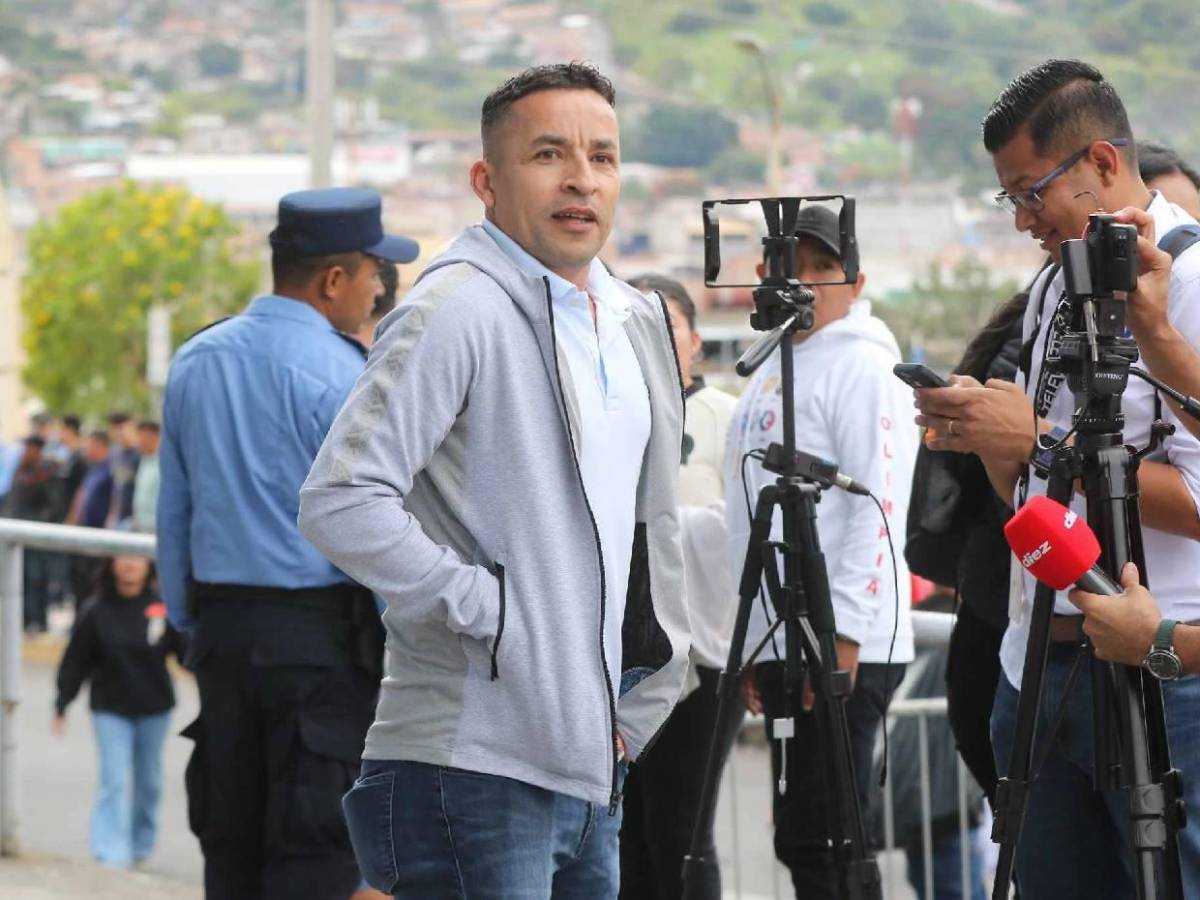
(887, 507)
(879, 561)
(883, 532)
(873, 587)
(887, 451)
(885, 423)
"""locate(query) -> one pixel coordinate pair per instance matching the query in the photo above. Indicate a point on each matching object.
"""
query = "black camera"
(1103, 261)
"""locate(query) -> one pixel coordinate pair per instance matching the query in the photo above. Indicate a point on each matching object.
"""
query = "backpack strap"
(1179, 239)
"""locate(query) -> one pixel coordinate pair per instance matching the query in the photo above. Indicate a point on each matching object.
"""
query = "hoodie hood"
(858, 324)
(476, 248)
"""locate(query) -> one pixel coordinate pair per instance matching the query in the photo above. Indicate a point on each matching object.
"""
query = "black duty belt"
(331, 597)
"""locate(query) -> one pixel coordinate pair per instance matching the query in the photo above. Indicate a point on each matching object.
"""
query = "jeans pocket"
(194, 778)
(368, 810)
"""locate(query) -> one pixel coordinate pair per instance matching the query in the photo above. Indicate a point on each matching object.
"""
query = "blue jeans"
(437, 833)
(1076, 840)
(124, 827)
(947, 869)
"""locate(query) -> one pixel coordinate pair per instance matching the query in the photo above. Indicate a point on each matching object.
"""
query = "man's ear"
(760, 270)
(858, 285)
(332, 280)
(481, 183)
(1108, 161)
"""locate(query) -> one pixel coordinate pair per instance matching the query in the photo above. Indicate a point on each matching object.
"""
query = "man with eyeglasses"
(1062, 148)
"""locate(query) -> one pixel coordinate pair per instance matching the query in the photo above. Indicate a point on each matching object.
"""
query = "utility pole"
(754, 45)
(319, 89)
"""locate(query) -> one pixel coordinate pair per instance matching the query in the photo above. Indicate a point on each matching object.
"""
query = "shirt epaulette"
(350, 339)
(199, 331)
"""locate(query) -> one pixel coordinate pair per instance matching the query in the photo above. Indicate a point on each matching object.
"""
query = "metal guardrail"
(15, 535)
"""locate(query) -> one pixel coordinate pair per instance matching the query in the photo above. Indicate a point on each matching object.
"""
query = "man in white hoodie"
(852, 410)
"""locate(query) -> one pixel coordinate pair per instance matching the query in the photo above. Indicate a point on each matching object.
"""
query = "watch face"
(1163, 665)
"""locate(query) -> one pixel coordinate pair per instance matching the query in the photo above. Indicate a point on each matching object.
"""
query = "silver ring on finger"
(950, 428)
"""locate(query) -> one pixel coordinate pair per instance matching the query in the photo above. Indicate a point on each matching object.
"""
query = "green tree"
(94, 272)
(680, 136)
(219, 60)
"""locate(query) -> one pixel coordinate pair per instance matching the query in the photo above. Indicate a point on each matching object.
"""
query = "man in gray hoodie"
(503, 475)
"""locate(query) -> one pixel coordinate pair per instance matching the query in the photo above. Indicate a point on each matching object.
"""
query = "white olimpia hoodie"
(852, 410)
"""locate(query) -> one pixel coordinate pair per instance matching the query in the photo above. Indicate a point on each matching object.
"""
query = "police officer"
(285, 699)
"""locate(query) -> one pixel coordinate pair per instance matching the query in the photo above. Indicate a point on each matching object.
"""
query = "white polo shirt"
(1172, 561)
(614, 415)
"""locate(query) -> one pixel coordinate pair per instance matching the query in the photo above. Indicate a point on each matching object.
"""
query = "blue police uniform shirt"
(247, 405)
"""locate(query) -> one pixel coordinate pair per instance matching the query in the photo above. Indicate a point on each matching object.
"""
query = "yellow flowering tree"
(97, 268)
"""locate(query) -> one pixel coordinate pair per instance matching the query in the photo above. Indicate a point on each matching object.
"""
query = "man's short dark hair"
(118, 417)
(101, 436)
(1064, 103)
(671, 290)
(148, 425)
(35, 440)
(297, 271)
(72, 423)
(569, 76)
(1156, 160)
(385, 300)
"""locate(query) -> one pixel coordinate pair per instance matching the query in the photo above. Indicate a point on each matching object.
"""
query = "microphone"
(822, 471)
(1057, 547)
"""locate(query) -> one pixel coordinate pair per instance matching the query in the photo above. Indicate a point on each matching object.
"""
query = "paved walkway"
(39, 877)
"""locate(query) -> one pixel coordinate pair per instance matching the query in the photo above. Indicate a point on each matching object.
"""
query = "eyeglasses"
(1031, 198)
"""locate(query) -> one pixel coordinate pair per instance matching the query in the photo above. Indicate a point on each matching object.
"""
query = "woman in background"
(120, 644)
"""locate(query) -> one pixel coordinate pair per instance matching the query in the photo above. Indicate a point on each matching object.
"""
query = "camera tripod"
(801, 601)
(1130, 747)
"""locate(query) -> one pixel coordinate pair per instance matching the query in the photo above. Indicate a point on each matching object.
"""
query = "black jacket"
(955, 519)
(121, 644)
(36, 493)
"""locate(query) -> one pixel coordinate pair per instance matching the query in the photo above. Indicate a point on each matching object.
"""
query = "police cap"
(327, 221)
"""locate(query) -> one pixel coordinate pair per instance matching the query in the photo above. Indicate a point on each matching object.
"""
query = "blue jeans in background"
(125, 818)
(947, 869)
(1075, 842)
(425, 832)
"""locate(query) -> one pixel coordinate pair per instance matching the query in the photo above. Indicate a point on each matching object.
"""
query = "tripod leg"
(697, 866)
(857, 870)
(1012, 792)
(1143, 763)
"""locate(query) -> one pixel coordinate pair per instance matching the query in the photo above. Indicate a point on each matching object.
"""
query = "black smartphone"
(919, 376)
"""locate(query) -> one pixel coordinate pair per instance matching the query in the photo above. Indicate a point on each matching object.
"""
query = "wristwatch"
(1161, 659)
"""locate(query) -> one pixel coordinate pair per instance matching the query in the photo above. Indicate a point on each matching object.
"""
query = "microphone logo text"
(1037, 553)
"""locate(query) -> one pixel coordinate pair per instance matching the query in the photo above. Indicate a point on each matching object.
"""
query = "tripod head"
(1095, 351)
(783, 305)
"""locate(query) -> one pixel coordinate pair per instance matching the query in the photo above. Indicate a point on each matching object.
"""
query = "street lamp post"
(319, 88)
(754, 45)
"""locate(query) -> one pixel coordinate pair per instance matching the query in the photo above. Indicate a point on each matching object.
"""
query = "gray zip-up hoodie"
(449, 484)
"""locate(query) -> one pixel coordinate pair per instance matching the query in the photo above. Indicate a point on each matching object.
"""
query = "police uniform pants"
(283, 715)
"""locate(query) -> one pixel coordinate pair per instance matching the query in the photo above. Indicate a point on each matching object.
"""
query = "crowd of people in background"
(63, 473)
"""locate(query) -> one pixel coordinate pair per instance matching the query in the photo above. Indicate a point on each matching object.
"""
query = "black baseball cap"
(821, 223)
(327, 221)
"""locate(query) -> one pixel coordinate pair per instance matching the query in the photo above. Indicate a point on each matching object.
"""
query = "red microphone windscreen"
(1052, 542)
